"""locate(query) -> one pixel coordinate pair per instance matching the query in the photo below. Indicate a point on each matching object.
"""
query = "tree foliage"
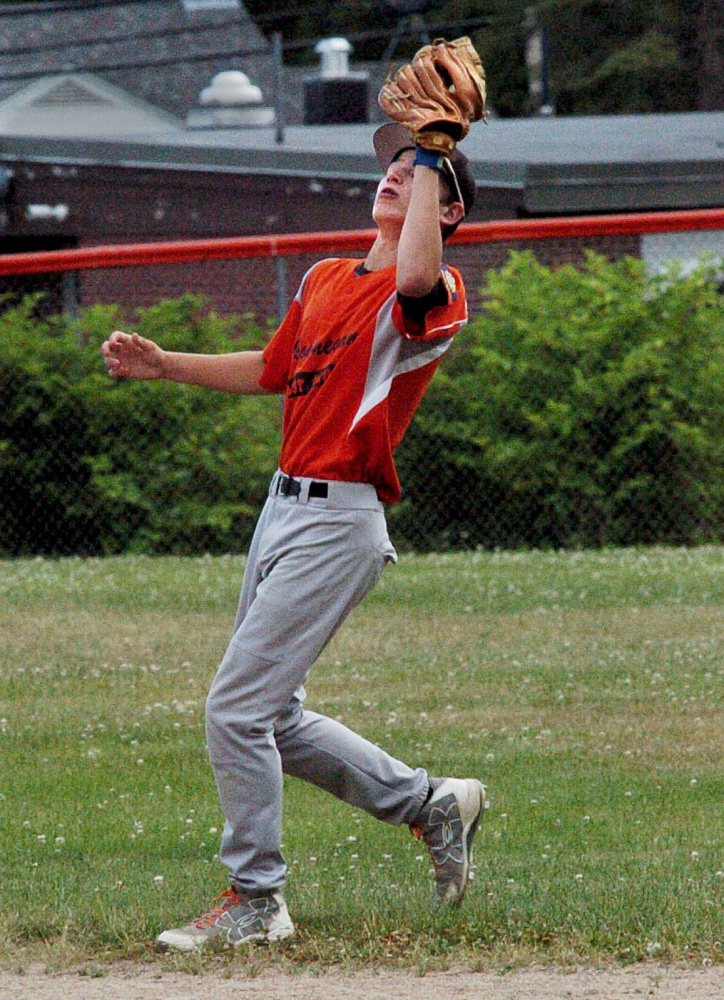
(616, 56)
(369, 24)
(604, 56)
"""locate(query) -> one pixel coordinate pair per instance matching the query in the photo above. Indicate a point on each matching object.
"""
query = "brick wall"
(244, 286)
(110, 204)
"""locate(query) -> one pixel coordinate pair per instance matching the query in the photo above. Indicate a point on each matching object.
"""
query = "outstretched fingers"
(128, 355)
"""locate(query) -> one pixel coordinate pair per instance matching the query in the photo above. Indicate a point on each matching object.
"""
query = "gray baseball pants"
(312, 559)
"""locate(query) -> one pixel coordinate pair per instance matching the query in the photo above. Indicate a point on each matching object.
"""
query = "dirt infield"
(139, 982)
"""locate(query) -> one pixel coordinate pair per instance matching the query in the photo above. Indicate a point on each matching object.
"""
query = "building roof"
(164, 51)
(559, 165)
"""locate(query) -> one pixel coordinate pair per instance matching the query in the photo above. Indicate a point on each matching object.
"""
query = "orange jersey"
(353, 368)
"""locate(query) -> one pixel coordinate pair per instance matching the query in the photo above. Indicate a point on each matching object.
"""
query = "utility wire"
(137, 64)
(79, 6)
(171, 7)
(235, 53)
(298, 45)
(188, 29)
(368, 36)
(66, 6)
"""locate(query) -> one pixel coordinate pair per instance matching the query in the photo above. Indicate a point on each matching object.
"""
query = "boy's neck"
(382, 253)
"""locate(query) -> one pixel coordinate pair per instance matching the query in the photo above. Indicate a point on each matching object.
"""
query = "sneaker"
(447, 824)
(240, 919)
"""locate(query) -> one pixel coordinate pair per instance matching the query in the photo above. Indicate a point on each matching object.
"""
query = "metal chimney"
(336, 96)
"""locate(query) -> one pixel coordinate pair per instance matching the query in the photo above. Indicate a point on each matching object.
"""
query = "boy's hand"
(128, 355)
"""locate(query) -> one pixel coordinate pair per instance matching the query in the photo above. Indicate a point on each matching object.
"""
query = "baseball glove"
(438, 94)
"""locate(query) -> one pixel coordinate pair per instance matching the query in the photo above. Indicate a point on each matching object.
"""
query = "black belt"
(288, 487)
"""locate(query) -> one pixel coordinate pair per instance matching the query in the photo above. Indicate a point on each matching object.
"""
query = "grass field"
(585, 689)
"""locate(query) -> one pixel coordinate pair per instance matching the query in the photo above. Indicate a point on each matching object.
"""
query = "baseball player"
(352, 358)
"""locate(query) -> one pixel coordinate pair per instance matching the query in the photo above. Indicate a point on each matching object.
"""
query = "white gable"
(80, 104)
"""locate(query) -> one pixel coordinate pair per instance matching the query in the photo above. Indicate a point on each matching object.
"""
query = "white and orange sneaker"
(240, 918)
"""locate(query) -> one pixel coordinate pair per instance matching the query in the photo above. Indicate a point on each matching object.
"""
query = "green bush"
(91, 466)
(45, 479)
(585, 407)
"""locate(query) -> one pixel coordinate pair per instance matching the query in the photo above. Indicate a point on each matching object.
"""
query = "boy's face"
(394, 190)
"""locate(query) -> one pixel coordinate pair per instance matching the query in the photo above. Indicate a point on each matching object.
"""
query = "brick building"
(84, 162)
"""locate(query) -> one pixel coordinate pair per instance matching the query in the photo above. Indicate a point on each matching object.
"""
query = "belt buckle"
(289, 487)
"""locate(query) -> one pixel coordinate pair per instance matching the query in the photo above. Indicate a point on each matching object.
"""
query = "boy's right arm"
(128, 355)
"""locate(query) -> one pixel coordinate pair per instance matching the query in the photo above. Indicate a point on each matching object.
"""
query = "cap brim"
(389, 140)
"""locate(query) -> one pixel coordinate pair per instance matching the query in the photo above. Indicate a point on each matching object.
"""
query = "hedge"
(90, 466)
(582, 407)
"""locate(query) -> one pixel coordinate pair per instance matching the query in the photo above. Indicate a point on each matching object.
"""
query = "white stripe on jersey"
(393, 354)
(303, 282)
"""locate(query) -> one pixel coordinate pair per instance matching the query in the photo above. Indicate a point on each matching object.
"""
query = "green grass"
(585, 689)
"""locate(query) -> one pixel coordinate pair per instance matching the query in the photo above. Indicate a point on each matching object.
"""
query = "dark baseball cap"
(391, 139)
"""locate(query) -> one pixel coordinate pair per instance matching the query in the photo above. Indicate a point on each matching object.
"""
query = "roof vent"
(70, 92)
(336, 96)
(230, 101)
(231, 87)
(334, 54)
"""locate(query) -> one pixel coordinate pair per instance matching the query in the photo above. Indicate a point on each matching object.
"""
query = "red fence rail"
(181, 251)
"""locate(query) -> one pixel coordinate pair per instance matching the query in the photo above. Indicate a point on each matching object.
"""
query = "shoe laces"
(231, 898)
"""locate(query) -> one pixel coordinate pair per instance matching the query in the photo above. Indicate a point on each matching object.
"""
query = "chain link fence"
(583, 405)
